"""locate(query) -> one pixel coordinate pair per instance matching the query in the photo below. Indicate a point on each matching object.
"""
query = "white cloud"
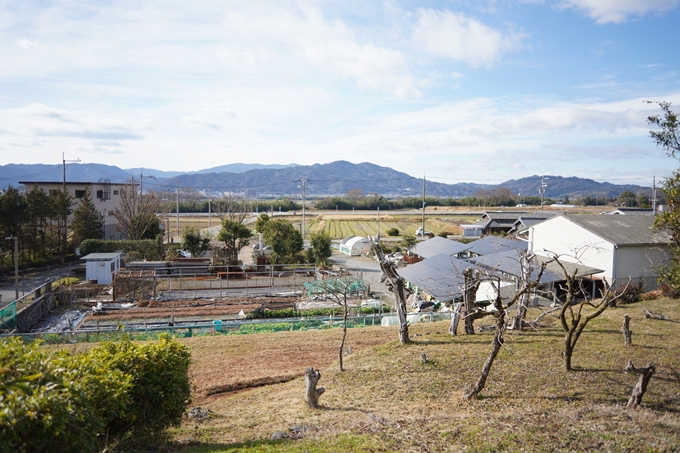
(618, 11)
(459, 37)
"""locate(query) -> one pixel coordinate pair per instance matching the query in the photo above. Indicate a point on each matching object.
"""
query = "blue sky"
(459, 91)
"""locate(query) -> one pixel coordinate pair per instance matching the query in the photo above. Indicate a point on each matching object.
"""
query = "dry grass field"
(389, 400)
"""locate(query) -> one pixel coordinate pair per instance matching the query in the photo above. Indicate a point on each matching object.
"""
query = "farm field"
(341, 226)
(388, 399)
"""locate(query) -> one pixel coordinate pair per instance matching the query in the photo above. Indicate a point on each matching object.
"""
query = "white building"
(101, 267)
(623, 246)
(105, 197)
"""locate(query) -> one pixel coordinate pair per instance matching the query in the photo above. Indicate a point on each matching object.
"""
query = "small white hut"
(101, 266)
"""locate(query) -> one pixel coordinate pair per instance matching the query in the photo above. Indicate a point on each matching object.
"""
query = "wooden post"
(641, 386)
(627, 333)
(312, 393)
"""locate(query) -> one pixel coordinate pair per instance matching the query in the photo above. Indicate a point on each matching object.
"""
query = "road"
(29, 281)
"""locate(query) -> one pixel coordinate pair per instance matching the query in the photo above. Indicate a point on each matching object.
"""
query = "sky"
(458, 91)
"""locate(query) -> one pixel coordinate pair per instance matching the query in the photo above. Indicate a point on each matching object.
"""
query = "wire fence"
(228, 327)
(187, 283)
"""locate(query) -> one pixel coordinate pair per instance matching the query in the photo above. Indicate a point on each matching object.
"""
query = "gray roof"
(633, 211)
(438, 245)
(495, 244)
(440, 276)
(509, 263)
(101, 256)
(622, 230)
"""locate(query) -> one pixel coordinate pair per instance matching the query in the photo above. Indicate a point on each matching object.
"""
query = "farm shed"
(622, 246)
(355, 245)
(101, 266)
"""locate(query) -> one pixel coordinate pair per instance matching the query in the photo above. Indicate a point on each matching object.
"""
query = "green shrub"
(56, 402)
(147, 248)
(63, 402)
(160, 391)
(392, 232)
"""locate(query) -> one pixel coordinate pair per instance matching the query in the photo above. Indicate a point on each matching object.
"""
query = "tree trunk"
(312, 393)
(455, 318)
(641, 386)
(568, 351)
(396, 285)
(469, 297)
(344, 335)
(627, 333)
(495, 347)
(518, 321)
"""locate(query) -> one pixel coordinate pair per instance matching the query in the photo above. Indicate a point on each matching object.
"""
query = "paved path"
(29, 281)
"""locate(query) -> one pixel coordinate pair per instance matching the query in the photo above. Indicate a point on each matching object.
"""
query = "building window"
(115, 192)
(112, 214)
(80, 193)
(111, 238)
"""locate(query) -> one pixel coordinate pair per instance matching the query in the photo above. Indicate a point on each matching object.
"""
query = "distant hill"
(572, 187)
(335, 178)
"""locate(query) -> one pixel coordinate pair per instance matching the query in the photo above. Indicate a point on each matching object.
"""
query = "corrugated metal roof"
(440, 276)
(438, 245)
(509, 263)
(101, 256)
(622, 229)
(495, 244)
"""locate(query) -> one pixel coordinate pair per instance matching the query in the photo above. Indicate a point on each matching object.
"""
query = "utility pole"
(654, 195)
(16, 265)
(63, 161)
(378, 224)
(303, 187)
(423, 205)
(177, 207)
(541, 190)
(141, 186)
(209, 211)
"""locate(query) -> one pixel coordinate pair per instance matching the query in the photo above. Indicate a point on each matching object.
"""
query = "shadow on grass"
(200, 447)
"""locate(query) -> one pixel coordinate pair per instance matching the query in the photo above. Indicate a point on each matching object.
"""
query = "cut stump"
(641, 386)
(312, 393)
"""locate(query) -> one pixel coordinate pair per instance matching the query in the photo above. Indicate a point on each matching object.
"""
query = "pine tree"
(87, 223)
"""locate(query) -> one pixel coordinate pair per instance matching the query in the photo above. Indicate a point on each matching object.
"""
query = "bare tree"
(396, 284)
(232, 206)
(136, 214)
(499, 313)
(341, 290)
(577, 312)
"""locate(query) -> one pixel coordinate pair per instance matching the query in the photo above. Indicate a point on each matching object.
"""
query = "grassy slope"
(388, 400)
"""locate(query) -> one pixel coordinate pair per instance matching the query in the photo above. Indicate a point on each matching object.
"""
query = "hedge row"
(145, 249)
(116, 393)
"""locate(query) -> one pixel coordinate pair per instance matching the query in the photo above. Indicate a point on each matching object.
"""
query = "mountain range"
(335, 178)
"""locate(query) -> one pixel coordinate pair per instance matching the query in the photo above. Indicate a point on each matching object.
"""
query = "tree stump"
(641, 386)
(627, 333)
(312, 393)
(455, 318)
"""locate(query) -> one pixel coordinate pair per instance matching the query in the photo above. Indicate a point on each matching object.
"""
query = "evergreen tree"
(87, 223)
(667, 138)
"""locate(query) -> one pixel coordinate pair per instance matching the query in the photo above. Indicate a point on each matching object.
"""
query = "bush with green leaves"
(57, 402)
(160, 391)
(82, 402)
(392, 232)
(147, 249)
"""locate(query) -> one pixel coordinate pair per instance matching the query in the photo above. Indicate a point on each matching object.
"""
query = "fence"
(23, 313)
(236, 327)
(187, 283)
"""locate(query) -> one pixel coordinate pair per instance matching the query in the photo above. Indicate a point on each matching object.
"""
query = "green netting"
(8, 316)
(334, 285)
